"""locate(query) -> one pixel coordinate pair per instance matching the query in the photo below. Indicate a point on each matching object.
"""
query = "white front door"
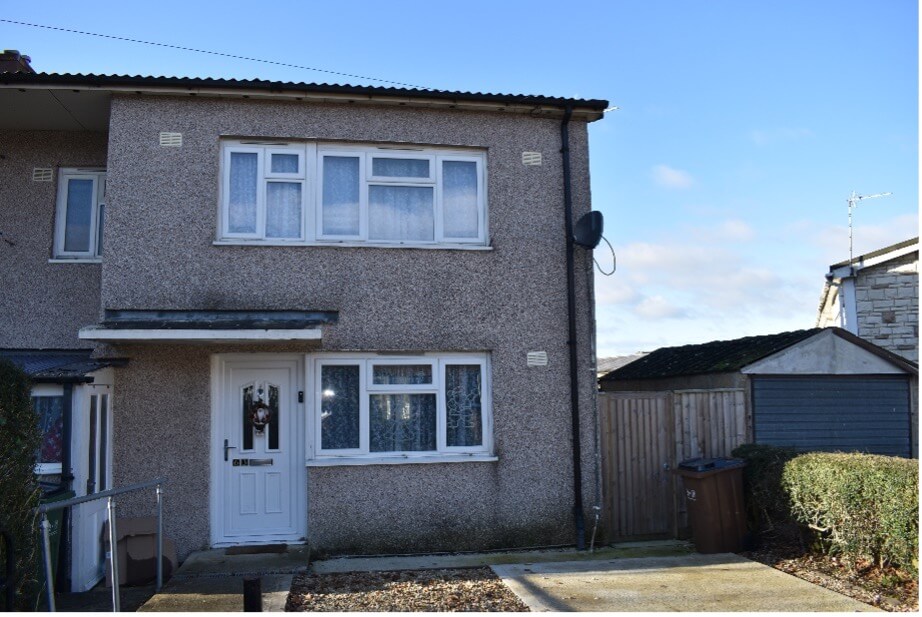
(259, 453)
(92, 464)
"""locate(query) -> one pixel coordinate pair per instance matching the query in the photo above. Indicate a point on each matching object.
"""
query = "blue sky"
(742, 126)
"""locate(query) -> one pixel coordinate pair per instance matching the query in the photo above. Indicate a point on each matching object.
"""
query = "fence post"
(113, 557)
(159, 537)
(252, 594)
(46, 553)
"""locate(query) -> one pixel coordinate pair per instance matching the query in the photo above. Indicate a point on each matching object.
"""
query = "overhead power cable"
(214, 53)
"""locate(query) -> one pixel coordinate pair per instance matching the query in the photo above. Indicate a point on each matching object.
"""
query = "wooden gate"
(644, 436)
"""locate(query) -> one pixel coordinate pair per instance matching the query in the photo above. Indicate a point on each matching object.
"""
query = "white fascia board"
(848, 270)
(848, 305)
(93, 333)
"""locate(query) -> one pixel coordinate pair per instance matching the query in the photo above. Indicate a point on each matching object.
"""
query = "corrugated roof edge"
(101, 81)
(878, 252)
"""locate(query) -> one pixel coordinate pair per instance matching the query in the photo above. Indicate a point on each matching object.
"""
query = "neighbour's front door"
(92, 427)
(258, 454)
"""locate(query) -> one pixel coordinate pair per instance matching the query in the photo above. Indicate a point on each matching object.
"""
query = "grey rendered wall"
(511, 300)
(42, 304)
(888, 305)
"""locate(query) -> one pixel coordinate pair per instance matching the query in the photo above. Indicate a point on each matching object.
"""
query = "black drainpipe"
(571, 335)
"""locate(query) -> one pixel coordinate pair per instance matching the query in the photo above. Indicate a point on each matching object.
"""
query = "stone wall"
(888, 305)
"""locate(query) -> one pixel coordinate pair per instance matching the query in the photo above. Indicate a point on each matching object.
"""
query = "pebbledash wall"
(43, 303)
(888, 305)
(509, 300)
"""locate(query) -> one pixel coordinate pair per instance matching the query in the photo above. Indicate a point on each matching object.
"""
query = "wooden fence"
(644, 437)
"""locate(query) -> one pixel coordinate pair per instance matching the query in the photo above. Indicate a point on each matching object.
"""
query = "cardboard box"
(136, 543)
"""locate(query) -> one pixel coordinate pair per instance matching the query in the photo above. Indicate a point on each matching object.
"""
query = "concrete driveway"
(724, 583)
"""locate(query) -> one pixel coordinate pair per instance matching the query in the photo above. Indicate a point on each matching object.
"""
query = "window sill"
(75, 260)
(47, 469)
(401, 460)
(380, 245)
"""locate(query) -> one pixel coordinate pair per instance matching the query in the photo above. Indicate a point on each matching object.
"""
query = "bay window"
(405, 407)
(314, 193)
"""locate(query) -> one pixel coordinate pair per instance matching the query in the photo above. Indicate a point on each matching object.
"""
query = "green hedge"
(860, 505)
(767, 504)
(19, 441)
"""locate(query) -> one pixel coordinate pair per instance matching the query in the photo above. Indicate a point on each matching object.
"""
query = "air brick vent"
(42, 174)
(537, 358)
(531, 159)
(171, 140)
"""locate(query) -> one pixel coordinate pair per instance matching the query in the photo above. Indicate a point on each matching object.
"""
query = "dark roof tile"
(713, 357)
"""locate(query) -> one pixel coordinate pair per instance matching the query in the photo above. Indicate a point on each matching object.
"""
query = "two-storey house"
(325, 313)
(876, 296)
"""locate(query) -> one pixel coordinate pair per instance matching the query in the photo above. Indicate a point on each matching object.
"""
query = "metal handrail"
(109, 494)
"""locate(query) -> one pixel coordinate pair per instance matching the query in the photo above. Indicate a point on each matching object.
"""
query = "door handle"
(226, 448)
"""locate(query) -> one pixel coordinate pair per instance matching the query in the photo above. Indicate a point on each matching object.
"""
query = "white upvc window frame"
(366, 363)
(311, 160)
(97, 212)
(362, 235)
(265, 177)
(281, 175)
(416, 155)
(481, 197)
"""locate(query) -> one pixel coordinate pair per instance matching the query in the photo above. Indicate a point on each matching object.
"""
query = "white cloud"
(688, 287)
(730, 230)
(615, 290)
(690, 291)
(766, 137)
(832, 240)
(658, 307)
(672, 178)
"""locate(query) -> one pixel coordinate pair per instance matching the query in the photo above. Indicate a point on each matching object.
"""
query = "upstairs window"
(320, 194)
(264, 189)
(80, 214)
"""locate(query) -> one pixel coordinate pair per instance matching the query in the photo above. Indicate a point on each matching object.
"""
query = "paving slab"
(217, 594)
(216, 562)
(694, 582)
(212, 581)
(476, 560)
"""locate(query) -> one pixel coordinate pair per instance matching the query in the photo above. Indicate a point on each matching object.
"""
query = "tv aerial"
(853, 200)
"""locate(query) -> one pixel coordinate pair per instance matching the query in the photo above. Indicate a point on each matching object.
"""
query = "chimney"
(11, 61)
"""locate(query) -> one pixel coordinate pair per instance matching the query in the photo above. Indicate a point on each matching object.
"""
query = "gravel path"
(888, 589)
(468, 589)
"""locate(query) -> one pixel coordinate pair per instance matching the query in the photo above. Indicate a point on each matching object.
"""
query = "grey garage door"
(833, 413)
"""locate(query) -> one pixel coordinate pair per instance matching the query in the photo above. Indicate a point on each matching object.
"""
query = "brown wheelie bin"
(714, 497)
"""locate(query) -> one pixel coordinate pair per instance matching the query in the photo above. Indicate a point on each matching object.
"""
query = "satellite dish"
(588, 230)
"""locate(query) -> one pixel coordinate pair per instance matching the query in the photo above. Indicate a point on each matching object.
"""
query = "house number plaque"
(251, 462)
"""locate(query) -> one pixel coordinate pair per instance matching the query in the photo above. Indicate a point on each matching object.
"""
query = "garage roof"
(732, 356)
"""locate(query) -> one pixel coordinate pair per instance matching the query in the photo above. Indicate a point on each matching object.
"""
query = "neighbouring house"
(817, 389)
(610, 363)
(876, 296)
(333, 314)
